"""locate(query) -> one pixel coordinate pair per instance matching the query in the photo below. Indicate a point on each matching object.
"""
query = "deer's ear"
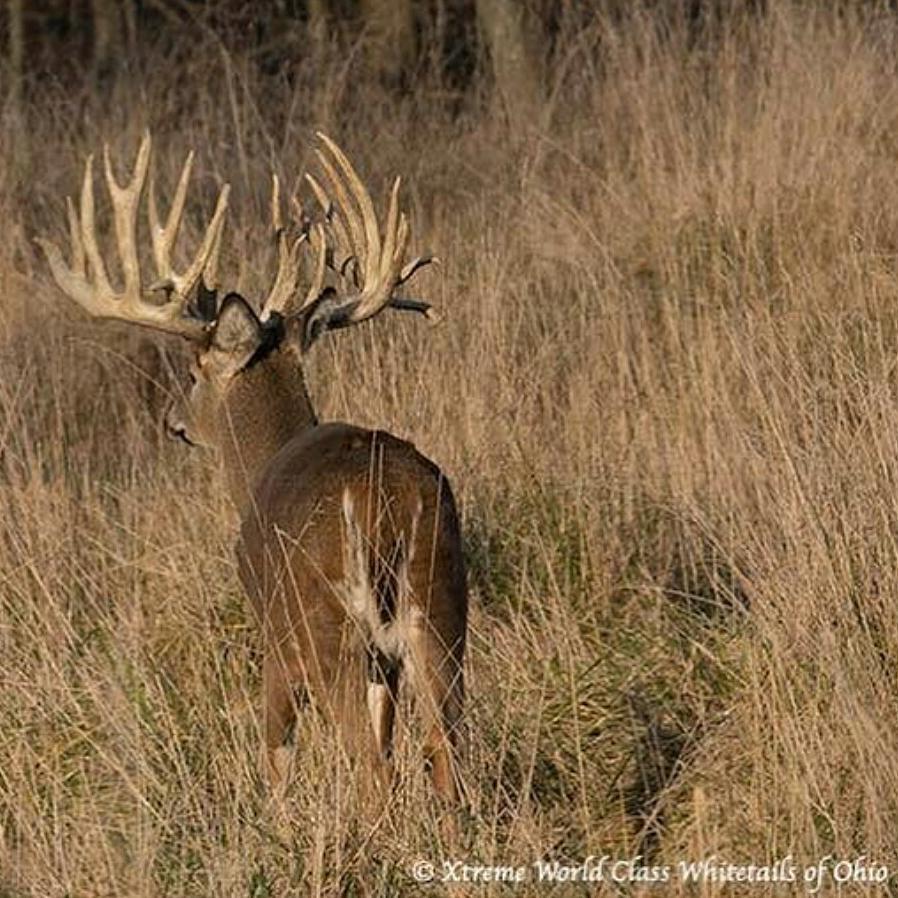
(238, 331)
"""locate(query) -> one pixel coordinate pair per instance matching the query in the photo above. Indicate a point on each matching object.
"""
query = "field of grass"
(665, 389)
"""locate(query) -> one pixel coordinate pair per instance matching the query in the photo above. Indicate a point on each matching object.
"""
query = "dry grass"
(666, 393)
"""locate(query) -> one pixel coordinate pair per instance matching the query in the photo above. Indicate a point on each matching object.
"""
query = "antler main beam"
(85, 280)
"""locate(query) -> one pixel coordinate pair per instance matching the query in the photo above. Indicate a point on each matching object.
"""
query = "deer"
(349, 546)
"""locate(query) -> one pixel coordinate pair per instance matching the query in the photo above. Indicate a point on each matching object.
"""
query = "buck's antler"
(85, 279)
(283, 296)
(370, 264)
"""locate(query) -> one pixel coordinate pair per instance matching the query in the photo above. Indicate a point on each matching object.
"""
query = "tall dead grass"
(665, 391)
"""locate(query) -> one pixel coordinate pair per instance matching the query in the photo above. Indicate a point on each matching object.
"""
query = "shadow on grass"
(643, 675)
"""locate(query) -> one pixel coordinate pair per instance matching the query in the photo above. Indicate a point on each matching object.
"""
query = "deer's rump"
(353, 542)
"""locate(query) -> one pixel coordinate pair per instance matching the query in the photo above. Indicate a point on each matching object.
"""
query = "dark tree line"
(510, 40)
(510, 45)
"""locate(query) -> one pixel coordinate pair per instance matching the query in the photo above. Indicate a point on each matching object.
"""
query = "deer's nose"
(175, 430)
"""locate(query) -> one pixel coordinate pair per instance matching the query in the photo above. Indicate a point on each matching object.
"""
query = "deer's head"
(338, 270)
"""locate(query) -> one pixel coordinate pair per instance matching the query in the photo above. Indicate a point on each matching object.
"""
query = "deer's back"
(347, 524)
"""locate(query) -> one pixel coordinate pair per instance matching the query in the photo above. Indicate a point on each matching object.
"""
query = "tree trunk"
(16, 57)
(107, 35)
(513, 49)
(318, 26)
(390, 31)
(15, 120)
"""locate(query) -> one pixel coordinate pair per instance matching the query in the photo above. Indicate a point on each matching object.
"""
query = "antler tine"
(282, 297)
(88, 230)
(163, 238)
(378, 289)
(342, 254)
(206, 257)
(417, 263)
(125, 201)
(318, 245)
(86, 281)
(205, 262)
(369, 251)
(72, 279)
(358, 228)
(286, 280)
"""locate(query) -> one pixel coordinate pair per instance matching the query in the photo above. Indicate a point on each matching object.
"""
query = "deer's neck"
(266, 407)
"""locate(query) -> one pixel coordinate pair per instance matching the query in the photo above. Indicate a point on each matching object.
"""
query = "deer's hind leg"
(439, 686)
(382, 695)
(279, 723)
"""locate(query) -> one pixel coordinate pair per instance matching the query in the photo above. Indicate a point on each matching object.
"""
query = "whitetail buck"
(350, 539)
